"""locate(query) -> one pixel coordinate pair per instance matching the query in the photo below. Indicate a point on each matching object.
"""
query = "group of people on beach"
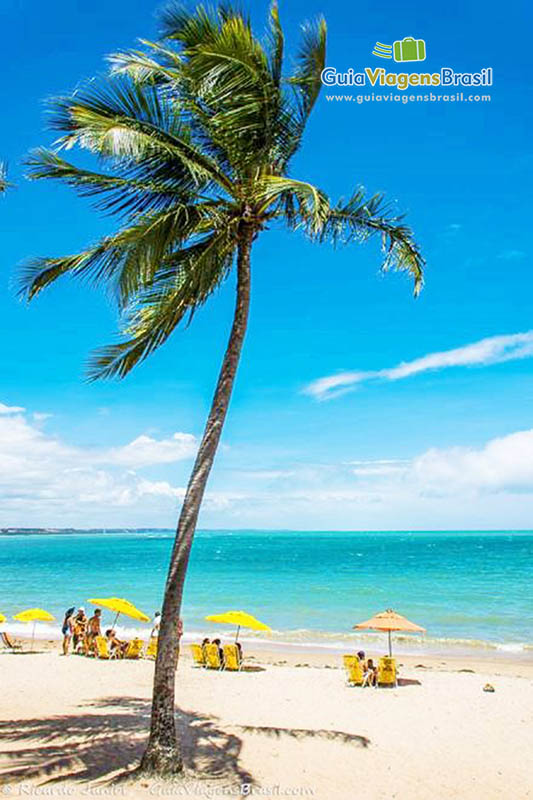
(218, 643)
(82, 632)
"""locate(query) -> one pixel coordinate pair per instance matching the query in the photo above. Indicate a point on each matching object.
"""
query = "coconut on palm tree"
(197, 131)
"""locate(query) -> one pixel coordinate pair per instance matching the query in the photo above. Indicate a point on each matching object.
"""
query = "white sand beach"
(75, 726)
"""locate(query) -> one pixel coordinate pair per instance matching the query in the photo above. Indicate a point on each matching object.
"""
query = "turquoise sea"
(469, 589)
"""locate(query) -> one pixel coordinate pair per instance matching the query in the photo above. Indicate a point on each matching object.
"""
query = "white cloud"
(493, 350)
(11, 409)
(504, 464)
(145, 451)
(376, 468)
(44, 480)
(39, 416)
(441, 488)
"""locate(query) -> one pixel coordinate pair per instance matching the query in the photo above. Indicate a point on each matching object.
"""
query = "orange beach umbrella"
(390, 621)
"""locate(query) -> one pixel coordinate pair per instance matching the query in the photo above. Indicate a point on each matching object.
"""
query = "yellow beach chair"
(232, 659)
(134, 649)
(387, 672)
(212, 657)
(102, 648)
(198, 655)
(354, 670)
(151, 650)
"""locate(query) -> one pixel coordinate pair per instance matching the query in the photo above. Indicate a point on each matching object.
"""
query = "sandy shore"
(76, 727)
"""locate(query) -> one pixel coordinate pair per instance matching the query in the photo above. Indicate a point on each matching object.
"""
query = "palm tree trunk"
(163, 753)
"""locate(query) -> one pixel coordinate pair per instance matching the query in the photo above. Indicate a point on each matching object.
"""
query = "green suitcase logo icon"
(410, 49)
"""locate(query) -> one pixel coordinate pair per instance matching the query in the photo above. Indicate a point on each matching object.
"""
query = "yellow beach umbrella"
(239, 618)
(120, 606)
(34, 615)
(2, 618)
(390, 621)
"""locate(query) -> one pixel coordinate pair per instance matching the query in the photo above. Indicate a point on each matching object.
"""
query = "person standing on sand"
(94, 630)
(68, 629)
(154, 633)
(79, 629)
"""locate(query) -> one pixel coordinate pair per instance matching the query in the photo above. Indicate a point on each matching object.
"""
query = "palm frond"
(276, 43)
(122, 262)
(126, 122)
(157, 67)
(306, 80)
(361, 218)
(116, 193)
(160, 308)
(3, 177)
(188, 29)
(303, 204)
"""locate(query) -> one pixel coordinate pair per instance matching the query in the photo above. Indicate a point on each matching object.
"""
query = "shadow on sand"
(104, 744)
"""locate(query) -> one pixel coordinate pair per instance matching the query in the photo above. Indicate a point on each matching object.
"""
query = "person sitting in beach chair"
(218, 643)
(134, 648)
(354, 670)
(116, 646)
(232, 657)
(369, 673)
(386, 672)
(8, 642)
(214, 656)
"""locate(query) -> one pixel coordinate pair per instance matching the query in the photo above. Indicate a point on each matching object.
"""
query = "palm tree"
(198, 131)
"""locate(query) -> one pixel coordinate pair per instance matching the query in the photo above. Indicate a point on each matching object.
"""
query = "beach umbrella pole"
(32, 635)
(237, 634)
(390, 644)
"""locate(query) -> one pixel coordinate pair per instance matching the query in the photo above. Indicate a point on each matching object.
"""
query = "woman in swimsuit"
(68, 629)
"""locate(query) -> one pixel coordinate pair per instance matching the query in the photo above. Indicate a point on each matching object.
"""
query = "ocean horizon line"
(37, 531)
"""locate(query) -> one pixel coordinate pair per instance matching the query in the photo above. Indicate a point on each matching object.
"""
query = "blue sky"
(445, 447)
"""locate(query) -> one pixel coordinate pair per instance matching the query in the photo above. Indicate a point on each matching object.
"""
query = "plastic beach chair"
(354, 670)
(151, 650)
(232, 658)
(212, 657)
(387, 672)
(134, 649)
(102, 648)
(198, 655)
